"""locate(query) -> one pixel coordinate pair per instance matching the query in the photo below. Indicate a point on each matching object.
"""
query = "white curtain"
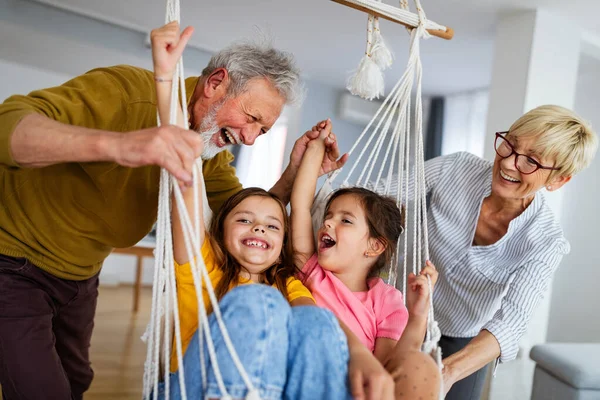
(261, 164)
(465, 122)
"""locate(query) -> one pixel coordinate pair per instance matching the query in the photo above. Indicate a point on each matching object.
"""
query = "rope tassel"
(367, 82)
(380, 53)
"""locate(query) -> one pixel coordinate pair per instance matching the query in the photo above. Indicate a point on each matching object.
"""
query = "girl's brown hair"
(384, 219)
(277, 274)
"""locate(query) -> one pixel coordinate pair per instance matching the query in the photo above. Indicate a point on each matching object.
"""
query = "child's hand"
(331, 162)
(322, 131)
(368, 378)
(417, 295)
(430, 271)
(167, 47)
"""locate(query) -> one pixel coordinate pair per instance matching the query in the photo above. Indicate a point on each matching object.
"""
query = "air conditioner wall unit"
(357, 110)
(360, 111)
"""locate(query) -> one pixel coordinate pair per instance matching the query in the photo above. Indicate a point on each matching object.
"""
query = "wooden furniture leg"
(138, 284)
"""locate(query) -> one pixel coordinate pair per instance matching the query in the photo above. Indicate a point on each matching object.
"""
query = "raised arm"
(417, 301)
(332, 161)
(303, 194)
(167, 47)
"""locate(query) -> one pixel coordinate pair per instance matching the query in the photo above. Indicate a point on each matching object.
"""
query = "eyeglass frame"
(537, 164)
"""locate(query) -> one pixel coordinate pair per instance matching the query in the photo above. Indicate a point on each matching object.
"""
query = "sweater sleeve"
(524, 294)
(220, 179)
(97, 99)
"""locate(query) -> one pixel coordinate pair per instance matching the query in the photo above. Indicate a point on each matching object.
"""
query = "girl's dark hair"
(384, 219)
(277, 274)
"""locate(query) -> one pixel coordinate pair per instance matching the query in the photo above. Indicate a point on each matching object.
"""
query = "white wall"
(576, 291)
(21, 79)
(321, 103)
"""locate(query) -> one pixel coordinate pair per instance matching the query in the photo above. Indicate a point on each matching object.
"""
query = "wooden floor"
(117, 352)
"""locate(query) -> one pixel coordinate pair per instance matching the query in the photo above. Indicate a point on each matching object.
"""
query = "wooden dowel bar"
(447, 34)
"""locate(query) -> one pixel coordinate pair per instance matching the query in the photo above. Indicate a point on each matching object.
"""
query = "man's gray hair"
(246, 61)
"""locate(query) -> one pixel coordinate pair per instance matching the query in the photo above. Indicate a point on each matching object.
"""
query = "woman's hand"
(167, 47)
(448, 378)
(368, 378)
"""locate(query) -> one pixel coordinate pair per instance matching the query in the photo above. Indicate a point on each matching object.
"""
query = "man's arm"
(82, 121)
(333, 161)
(39, 141)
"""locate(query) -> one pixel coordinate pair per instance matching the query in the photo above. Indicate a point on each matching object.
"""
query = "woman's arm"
(499, 338)
(483, 349)
(303, 195)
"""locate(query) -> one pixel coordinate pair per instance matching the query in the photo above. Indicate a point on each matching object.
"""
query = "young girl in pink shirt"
(357, 239)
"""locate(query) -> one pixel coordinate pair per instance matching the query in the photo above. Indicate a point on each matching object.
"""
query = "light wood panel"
(117, 352)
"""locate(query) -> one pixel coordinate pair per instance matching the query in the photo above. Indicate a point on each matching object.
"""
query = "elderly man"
(79, 176)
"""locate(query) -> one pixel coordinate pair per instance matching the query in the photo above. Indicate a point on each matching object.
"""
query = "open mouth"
(256, 243)
(508, 178)
(326, 242)
(228, 137)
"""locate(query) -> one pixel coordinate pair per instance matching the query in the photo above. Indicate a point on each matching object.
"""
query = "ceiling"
(328, 39)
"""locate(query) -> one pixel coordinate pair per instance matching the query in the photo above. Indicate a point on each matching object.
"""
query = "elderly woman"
(495, 241)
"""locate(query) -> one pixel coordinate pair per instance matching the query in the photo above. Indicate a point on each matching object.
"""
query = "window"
(261, 164)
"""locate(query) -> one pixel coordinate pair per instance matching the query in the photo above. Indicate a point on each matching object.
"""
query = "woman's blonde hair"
(560, 135)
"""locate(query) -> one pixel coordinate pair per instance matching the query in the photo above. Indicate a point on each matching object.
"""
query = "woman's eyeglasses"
(523, 163)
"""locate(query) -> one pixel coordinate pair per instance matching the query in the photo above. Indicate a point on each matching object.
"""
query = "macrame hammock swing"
(367, 83)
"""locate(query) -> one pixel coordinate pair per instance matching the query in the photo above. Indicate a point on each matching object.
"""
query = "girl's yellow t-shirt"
(188, 303)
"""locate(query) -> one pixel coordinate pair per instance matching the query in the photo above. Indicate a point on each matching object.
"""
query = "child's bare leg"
(415, 374)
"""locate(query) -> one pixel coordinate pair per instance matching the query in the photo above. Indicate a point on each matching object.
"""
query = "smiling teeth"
(255, 243)
(508, 178)
(231, 136)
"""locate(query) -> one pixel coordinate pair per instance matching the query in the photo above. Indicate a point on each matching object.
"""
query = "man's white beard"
(207, 130)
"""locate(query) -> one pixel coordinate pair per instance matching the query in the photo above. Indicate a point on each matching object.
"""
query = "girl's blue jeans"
(288, 353)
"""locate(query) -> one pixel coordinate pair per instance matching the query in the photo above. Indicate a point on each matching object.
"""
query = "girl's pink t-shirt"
(377, 313)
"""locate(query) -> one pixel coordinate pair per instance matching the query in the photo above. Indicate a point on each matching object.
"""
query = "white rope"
(189, 239)
(164, 287)
(381, 54)
(371, 141)
(367, 81)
